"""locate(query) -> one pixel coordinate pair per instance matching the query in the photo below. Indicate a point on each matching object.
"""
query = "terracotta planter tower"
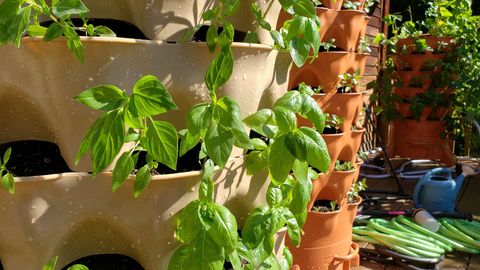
(328, 242)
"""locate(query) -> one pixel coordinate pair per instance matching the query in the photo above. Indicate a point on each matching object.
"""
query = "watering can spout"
(466, 171)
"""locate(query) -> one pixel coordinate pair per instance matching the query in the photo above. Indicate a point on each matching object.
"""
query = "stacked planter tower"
(419, 72)
(327, 243)
(71, 215)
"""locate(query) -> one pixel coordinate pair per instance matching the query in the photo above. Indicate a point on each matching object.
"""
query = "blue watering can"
(437, 192)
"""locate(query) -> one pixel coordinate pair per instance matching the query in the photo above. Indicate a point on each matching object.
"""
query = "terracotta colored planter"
(359, 110)
(323, 71)
(333, 186)
(325, 244)
(420, 140)
(432, 41)
(71, 215)
(168, 20)
(416, 62)
(407, 77)
(345, 26)
(342, 105)
(363, 30)
(343, 146)
(41, 79)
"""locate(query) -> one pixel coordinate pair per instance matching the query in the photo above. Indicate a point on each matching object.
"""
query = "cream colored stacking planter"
(39, 80)
(71, 215)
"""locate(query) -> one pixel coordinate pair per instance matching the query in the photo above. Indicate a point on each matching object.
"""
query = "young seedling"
(51, 265)
(348, 81)
(351, 5)
(8, 182)
(369, 4)
(308, 90)
(343, 166)
(327, 45)
(333, 205)
(355, 189)
(364, 46)
(333, 121)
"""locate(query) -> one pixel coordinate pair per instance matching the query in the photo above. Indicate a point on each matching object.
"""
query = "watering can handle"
(424, 179)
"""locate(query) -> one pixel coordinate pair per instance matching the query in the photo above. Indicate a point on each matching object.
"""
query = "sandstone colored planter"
(432, 41)
(71, 215)
(40, 80)
(168, 20)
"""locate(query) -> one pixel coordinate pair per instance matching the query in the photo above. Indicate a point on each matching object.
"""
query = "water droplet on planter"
(4, 208)
(100, 212)
(115, 217)
(30, 239)
(139, 241)
(70, 203)
(12, 201)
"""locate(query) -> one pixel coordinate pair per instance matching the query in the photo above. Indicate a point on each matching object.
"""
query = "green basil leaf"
(286, 119)
(4, 35)
(219, 143)
(162, 143)
(274, 195)
(103, 97)
(205, 192)
(78, 267)
(203, 152)
(45, 8)
(123, 168)
(241, 139)
(150, 97)
(270, 263)
(179, 258)
(256, 162)
(265, 25)
(223, 40)
(251, 37)
(220, 69)
(228, 29)
(207, 214)
(76, 47)
(54, 31)
(6, 155)
(297, 28)
(317, 151)
(292, 100)
(20, 25)
(277, 38)
(304, 8)
(286, 4)
(224, 229)
(132, 137)
(293, 228)
(302, 189)
(299, 50)
(141, 180)
(301, 218)
(199, 117)
(69, 7)
(254, 226)
(36, 30)
(312, 35)
(212, 38)
(70, 33)
(262, 122)
(104, 31)
(316, 116)
(51, 264)
(261, 252)
(131, 117)
(276, 221)
(234, 259)
(228, 113)
(259, 144)
(110, 140)
(296, 144)
(256, 11)
(191, 31)
(91, 137)
(287, 259)
(231, 6)
(188, 223)
(8, 182)
(204, 253)
(280, 161)
(187, 142)
(9, 9)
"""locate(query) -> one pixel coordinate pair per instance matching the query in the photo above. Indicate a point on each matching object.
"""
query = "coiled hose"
(405, 236)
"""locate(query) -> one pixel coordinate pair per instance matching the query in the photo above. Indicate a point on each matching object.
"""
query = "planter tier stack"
(327, 243)
(71, 215)
(419, 72)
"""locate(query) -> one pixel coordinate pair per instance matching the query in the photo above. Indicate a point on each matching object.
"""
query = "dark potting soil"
(30, 158)
(107, 262)
(323, 206)
(331, 130)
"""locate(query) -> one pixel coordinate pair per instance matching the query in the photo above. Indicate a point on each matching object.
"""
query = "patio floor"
(468, 201)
